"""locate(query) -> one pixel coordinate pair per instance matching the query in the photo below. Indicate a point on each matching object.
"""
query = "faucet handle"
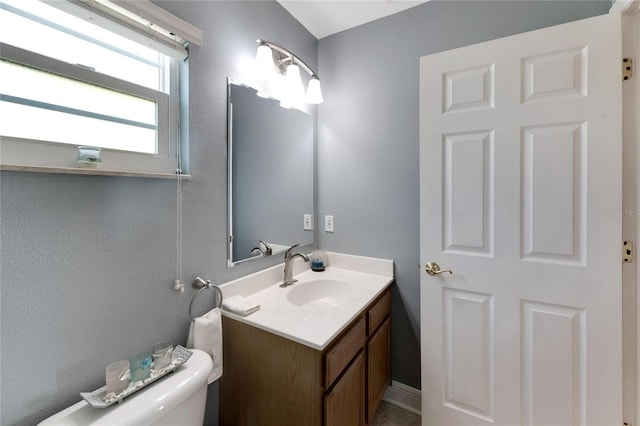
(267, 248)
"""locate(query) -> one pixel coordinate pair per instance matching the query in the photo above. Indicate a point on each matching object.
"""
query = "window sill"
(90, 172)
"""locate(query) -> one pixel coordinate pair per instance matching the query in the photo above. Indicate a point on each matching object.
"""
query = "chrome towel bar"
(201, 285)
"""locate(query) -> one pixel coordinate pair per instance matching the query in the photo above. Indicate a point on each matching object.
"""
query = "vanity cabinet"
(271, 380)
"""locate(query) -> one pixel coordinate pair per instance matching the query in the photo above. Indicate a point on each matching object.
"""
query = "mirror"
(271, 167)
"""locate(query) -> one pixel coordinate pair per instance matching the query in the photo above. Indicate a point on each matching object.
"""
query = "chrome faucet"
(288, 265)
(267, 248)
(266, 251)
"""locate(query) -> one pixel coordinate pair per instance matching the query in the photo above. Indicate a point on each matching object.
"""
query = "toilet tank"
(177, 399)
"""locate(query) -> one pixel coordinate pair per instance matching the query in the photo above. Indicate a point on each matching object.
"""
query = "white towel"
(239, 305)
(206, 334)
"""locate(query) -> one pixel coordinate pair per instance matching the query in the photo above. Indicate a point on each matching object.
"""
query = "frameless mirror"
(270, 152)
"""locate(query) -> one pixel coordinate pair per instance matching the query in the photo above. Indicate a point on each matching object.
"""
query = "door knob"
(433, 268)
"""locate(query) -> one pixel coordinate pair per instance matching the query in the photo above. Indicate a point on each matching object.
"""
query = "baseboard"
(404, 397)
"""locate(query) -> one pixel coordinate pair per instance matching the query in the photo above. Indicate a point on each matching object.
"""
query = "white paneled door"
(520, 191)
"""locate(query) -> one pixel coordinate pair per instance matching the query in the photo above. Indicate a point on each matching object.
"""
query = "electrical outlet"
(328, 223)
(308, 222)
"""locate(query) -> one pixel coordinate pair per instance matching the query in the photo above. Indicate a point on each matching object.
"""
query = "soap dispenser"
(318, 261)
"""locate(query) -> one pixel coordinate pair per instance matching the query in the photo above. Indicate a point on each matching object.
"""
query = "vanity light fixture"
(279, 76)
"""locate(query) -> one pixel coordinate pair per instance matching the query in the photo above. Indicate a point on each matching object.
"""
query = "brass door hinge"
(627, 251)
(627, 69)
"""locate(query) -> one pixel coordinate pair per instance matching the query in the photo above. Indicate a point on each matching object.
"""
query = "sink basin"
(321, 293)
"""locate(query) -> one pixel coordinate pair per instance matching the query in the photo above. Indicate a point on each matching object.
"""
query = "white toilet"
(177, 399)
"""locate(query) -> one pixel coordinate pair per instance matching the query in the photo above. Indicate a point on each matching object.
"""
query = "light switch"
(308, 222)
(328, 223)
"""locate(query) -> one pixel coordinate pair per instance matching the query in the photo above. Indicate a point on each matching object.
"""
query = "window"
(73, 77)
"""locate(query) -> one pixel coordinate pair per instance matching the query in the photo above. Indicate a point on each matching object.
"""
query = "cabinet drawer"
(378, 312)
(343, 351)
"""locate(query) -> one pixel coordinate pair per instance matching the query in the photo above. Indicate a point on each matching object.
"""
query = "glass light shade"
(314, 93)
(264, 71)
(293, 84)
(264, 61)
(262, 87)
(263, 94)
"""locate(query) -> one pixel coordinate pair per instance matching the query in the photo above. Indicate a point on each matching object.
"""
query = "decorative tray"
(98, 398)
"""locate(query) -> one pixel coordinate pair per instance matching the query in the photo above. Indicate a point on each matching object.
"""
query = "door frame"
(630, 10)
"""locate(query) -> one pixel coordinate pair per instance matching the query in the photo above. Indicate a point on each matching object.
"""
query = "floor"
(392, 415)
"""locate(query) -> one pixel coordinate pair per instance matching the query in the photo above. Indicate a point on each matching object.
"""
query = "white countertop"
(312, 325)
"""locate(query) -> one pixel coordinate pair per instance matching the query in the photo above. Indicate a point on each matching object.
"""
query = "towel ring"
(201, 285)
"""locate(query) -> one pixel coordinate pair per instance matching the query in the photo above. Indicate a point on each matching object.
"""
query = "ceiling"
(325, 17)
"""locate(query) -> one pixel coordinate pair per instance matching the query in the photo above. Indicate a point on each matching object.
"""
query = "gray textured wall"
(88, 262)
(369, 134)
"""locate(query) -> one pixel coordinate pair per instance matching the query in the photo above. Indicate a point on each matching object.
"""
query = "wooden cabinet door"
(379, 367)
(344, 404)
